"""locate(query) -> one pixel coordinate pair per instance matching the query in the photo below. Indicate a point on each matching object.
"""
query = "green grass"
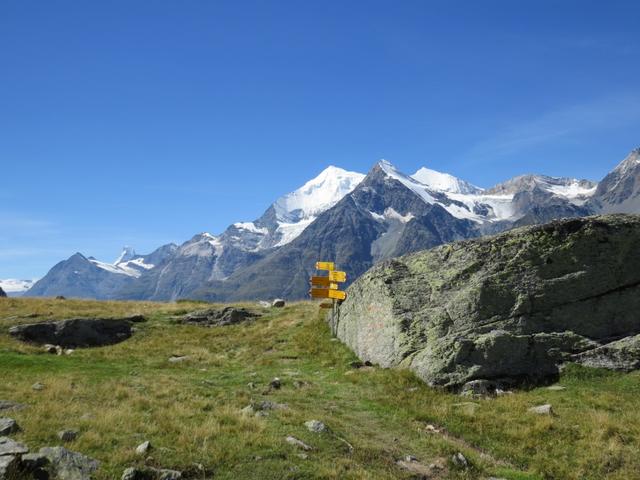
(121, 395)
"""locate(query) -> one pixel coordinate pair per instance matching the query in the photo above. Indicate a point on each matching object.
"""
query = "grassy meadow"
(121, 395)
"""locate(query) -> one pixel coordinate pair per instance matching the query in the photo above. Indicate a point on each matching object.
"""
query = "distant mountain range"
(354, 219)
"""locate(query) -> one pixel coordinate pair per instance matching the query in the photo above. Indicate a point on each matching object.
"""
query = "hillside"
(118, 396)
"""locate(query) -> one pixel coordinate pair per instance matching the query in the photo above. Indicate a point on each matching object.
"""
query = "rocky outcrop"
(76, 332)
(513, 306)
(2, 293)
(215, 317)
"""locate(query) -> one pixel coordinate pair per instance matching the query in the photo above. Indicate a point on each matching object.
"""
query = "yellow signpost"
(326, 286)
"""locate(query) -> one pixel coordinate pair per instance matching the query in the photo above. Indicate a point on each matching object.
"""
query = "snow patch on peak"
(202, 245)
(444, 182)
(128, 253)
(251, 227)
(317, 195)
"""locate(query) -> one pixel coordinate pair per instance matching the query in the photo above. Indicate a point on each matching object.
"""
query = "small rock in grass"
(545, 409)
(67, 435)
(143, 448)
(276, 383)
(11, 447)
(8, 426)
(49, 348)
(303, 456)
(315, 426)
(68, 351)
(178, 358)
(410, 458)
(298, 443)
(9, 405)
(460, 460)
(556, 388)
(278, 303)
(68, 465)
(37, 386)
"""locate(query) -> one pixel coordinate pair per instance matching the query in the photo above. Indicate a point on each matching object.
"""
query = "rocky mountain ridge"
(353, 219)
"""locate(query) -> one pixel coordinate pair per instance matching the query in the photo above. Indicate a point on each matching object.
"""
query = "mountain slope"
(619, 191)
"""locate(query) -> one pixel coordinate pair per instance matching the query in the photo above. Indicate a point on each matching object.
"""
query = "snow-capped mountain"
(353, 219)
(207, 257)
(14, 287)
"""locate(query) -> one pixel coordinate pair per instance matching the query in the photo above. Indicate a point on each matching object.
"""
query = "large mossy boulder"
(512, 306)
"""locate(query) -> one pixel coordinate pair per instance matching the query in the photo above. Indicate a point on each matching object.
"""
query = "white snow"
(572, 191)
(128, 253)
(12, 285)
(317, 195)
(501, 204)
(291, 231)
(251, 227)
(443, 182)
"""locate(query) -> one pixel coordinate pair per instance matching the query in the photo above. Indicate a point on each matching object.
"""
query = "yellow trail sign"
(323, 282)
(337, 276)
(327, 293)
(325, 266)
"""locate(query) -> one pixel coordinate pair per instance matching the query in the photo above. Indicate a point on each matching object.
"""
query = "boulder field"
(508, 308)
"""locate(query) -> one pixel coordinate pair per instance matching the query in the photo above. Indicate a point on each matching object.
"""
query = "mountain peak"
(128, 253)
(317, 195)
(443, 182)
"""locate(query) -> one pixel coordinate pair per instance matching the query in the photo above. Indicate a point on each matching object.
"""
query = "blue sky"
(145, 122)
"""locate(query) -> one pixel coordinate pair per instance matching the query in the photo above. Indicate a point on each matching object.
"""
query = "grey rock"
(9, 465)
(11, 447)
(8, 426)
(214, 317)
(33, 461)
(148, 473)
(68, 465)
(515, 305)
(67, 435)
(291, 440)
(545, 409)
(278, 303)
(2, 293)
(315, 426)
(276, 383)
(460, 460)
(52, 349)
(37, 386)
(556, 388)
(480, 388)
(178, 358)
(76, 332)
(623, 355)
(260, 408)
(144, 448)
(7, 405)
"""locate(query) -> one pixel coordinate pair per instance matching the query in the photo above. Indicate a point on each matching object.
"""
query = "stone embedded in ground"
(556, 388)
(7, 405)
(75, 332)
(8, 426)
(11, 447)
(178, 358)
(315, 426)
(276, 383)
(37, 386)
(215, 317)
(480, 387)
(291, 440)
(622, 355)
(67, 435)
(278, 303)
(545, 409)
(515, 305)
(460, 460)
(148, 473)
(68, 465)
(143, 448)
